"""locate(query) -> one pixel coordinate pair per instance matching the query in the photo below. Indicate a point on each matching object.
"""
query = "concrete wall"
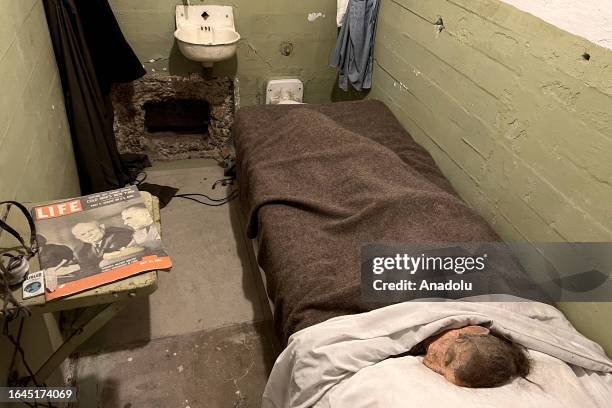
(590, 19)
(36, 157)
(264, 26)
(516, 112)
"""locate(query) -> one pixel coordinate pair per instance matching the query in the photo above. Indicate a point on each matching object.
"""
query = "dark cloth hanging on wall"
(113, 58)
(91, 54)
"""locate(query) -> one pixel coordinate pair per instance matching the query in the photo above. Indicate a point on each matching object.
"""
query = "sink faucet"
(187, 3)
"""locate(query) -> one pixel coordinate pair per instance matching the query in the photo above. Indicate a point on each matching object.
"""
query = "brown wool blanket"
(317, 181)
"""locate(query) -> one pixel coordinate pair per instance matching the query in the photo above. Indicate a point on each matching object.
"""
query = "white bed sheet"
(347, 362)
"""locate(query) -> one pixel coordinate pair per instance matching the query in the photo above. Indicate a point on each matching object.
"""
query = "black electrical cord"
(11, 307)
(19, 348)
(12, 310)
(17, 345)
(223, 182)
(229, 197)
(216, 202)
(140, 178)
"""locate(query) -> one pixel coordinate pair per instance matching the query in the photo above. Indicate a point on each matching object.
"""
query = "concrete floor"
(204, 338)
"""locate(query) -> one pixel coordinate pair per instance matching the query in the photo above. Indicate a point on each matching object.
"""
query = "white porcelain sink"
(207, 45)
(206, 33)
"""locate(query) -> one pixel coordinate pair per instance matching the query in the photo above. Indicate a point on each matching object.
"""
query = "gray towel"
(355, 45)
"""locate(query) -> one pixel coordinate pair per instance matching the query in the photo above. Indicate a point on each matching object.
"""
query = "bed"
(317, 181)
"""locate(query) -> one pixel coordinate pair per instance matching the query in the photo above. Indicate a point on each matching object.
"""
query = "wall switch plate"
(284, 89)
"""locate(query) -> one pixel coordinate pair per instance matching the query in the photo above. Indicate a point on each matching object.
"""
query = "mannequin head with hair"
(475, 357)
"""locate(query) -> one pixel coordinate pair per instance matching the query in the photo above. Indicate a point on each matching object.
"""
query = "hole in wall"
(182, 116)
(586, 56)
(439, 25)
(200, 129)
(286, 48)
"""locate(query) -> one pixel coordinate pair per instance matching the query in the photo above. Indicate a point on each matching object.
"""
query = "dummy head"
(474, 357)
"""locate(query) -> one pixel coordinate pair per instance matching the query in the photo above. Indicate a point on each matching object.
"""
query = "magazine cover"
(96, 239)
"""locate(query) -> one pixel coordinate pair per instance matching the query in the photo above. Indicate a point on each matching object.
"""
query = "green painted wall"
(36, 157)
(516, 117)
(264, 26)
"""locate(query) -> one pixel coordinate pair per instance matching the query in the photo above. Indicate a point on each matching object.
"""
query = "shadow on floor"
(135, 331)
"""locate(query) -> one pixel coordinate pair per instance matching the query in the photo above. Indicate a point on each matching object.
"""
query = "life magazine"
(97, 239)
